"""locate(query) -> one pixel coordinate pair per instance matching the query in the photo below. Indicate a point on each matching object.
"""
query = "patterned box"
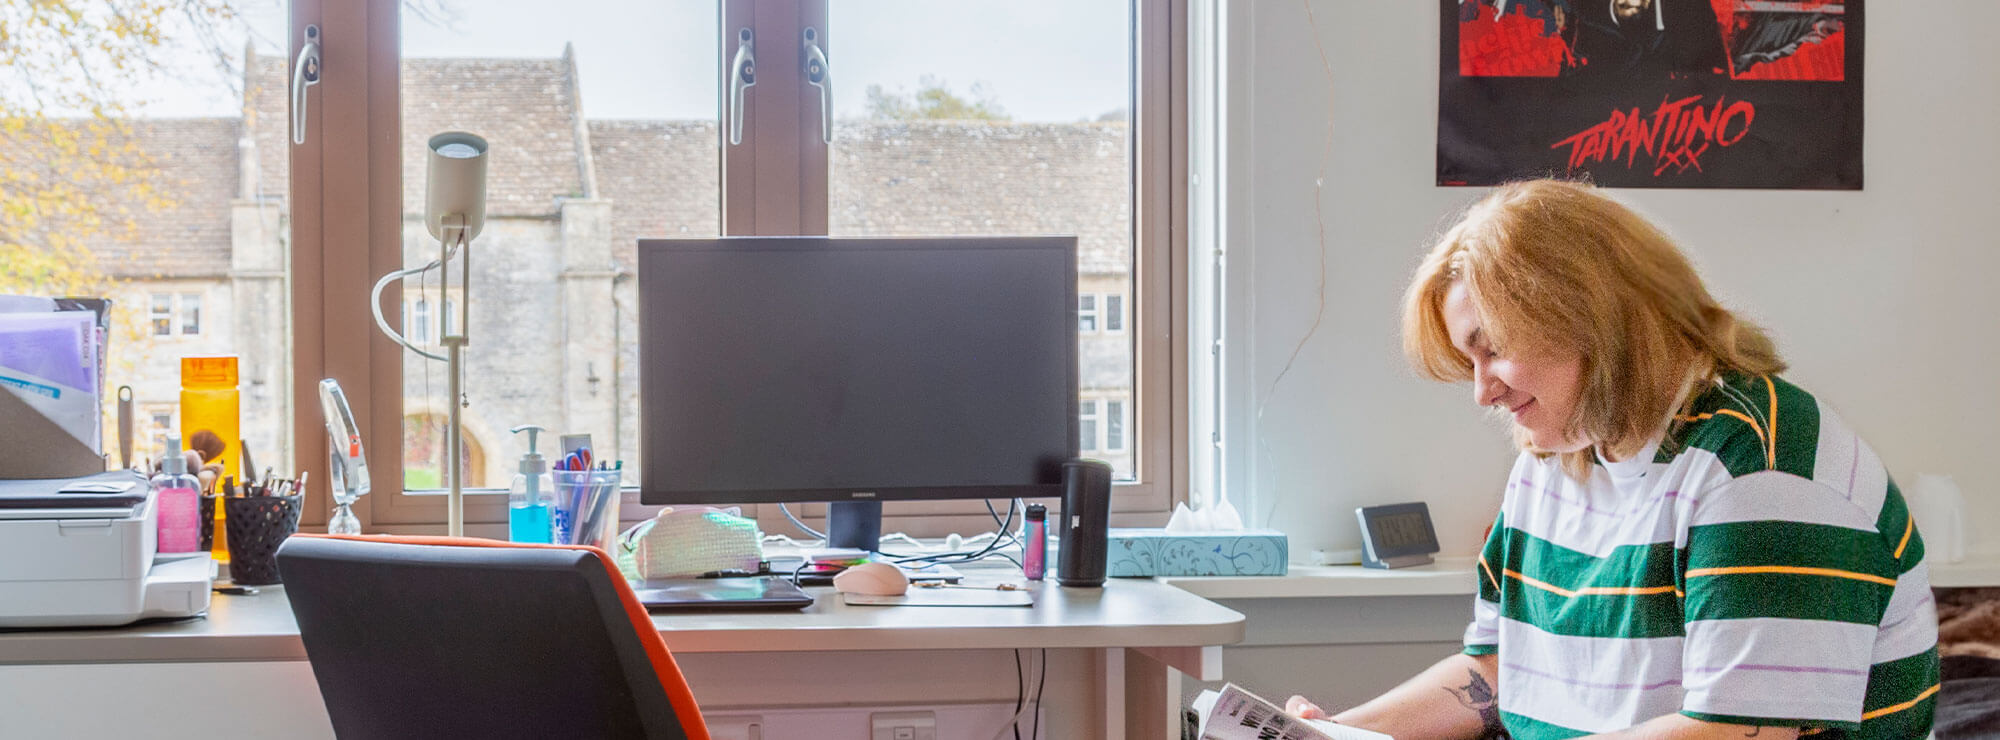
(1155, 552)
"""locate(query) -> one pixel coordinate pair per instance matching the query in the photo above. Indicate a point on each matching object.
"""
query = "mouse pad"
(947, 596)
(720, 593)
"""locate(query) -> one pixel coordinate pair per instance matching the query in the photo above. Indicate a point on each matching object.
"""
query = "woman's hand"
(1302, 708)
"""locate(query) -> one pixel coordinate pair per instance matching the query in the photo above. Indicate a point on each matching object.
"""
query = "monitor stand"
(854, 524)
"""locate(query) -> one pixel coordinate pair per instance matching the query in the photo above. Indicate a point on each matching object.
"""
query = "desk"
(1147, 634)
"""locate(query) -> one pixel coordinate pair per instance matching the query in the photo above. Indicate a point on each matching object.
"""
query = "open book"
(1235, 714)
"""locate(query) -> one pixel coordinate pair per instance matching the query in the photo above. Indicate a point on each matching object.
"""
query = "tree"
(933, 101)
(70, 174)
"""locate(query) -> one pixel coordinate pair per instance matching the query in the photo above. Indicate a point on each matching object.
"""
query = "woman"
(1688, 545)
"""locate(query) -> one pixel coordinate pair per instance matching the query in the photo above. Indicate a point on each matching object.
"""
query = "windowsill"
(1978, 569)
(1446, 577)
(1456, 577)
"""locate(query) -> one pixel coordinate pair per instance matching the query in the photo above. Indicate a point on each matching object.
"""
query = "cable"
(1020, 691)
(1040, 682)
(802, 525)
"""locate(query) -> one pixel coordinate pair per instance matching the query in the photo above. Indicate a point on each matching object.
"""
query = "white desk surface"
(1125, 613)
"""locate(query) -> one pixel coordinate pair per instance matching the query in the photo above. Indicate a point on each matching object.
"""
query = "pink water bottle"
(178, 496)
(1035, 545)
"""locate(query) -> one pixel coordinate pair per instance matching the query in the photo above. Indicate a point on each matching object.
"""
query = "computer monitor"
(856, 371)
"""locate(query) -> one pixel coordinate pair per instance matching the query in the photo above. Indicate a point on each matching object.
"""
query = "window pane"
(143, 153)
(421, 332)
(163, 315)
(600, 117)
(1114, 425)
(191, 313)
(985, 118)
(1114, 313)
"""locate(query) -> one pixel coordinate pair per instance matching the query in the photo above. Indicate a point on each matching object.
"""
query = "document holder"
(33, 447)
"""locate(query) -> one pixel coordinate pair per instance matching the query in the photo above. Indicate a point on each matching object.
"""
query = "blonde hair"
(1548, 262)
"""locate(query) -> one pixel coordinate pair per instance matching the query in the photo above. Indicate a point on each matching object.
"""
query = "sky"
(658, 58)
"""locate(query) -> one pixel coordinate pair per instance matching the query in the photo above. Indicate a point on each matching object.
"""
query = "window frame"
(347, 230)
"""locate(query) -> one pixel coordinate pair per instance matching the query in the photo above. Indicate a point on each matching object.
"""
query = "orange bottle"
(211, 421)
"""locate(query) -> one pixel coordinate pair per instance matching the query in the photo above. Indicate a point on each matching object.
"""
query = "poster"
(1652, 93)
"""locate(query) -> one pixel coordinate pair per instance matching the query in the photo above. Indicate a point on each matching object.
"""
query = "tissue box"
(1156, 552)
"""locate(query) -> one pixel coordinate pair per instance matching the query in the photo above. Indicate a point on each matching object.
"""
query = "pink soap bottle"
(178, 496)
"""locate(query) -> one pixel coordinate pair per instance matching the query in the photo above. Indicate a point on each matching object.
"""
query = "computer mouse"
(873, 579)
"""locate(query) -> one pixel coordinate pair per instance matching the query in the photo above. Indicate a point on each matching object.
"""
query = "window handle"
(818, 75)
(742, 74)
(305, 73)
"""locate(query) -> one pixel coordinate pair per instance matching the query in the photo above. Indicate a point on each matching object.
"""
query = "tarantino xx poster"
(1652, 93)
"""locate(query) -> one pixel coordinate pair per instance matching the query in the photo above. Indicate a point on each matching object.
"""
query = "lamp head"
(456, 197)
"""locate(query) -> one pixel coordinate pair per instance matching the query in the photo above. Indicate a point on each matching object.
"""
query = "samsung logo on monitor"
(862, 494)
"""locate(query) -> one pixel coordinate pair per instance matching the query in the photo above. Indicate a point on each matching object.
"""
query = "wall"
(1883, 299)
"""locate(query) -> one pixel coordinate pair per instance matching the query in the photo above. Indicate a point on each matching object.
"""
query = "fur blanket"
(1969, 621)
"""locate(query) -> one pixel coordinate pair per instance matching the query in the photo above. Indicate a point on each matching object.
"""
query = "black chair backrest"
(427, 641)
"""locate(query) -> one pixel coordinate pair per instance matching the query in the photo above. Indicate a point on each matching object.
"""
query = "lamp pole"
(454, 341)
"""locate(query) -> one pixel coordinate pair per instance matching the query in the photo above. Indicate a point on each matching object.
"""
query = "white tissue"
(1217, 516)
(1939, 509)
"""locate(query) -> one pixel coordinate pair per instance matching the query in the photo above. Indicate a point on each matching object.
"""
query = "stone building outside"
(554, 289)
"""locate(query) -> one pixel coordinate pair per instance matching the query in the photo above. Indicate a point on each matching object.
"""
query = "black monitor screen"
(824, 369)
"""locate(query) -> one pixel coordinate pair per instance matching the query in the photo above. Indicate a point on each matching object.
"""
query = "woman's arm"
(1455, 699)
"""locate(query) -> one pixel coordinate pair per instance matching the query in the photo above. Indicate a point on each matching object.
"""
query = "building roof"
(526, 110)
(662, 177)
(181, 227)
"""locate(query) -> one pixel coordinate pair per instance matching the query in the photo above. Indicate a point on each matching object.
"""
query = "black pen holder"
(257, 525)
(208, 521)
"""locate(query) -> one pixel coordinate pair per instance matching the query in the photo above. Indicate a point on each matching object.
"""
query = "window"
(174, 314)
(916, 137)
(163, 315)
(421, 330)
(1088, 418)
(132, 117)
(1086, 314)
(190, 313)
(160, 424)
(1114, 426)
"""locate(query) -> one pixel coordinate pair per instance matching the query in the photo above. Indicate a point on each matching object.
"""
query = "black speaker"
(1086, 512)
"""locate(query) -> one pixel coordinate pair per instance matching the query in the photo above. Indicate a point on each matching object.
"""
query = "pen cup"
(586, 507)
(208, 521)
(256, 526)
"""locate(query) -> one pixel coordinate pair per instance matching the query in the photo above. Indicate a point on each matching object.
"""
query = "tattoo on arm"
(1479, 696)
(1754, 731)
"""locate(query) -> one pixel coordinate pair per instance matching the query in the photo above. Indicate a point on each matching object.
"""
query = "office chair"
(427, 637)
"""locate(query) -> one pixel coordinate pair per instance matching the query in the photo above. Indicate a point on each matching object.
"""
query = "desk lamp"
(454, 211)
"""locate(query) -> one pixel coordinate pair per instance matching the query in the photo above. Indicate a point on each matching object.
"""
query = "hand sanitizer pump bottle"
(178, 496)
(532, 495)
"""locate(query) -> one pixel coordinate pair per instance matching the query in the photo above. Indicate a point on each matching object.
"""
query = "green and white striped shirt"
(1756, 566)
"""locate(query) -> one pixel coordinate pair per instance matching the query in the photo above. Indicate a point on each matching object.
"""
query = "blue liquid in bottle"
(529, 523)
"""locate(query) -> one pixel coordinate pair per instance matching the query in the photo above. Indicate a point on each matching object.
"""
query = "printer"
(81, 552)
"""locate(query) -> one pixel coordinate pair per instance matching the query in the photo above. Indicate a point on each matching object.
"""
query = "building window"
(160, 418)
(1087, 423)
(163, 314)
(1114, 313)
(1114, 426)
(190, 314)
(1086, 313)
(420, 331)
(175, 313)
